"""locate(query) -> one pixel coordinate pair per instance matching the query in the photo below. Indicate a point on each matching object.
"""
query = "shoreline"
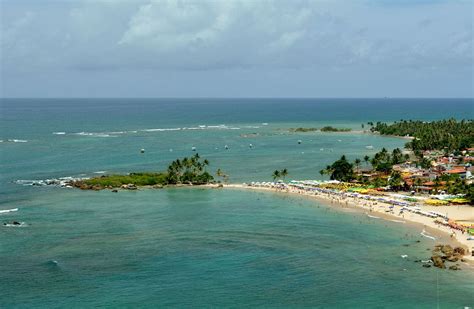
(378, 210)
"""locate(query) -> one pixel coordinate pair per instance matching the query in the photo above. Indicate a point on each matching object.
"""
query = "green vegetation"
(303, 129)
(332, 129)
(189, 170)
(341, 170)
(383, 160)
(220, 173)
(323, 129)
(277, 174)
(449, 135)
(185, 171)
(137, 179)
(442, 134)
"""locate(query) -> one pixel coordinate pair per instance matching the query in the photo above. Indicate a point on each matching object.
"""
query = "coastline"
(428, 227)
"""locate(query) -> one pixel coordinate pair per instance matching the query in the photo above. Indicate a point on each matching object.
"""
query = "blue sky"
(236, 48)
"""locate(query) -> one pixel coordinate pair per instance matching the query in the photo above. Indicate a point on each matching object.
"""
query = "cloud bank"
(91, 48)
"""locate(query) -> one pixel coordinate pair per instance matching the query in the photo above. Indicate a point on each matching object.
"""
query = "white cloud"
(217, 35)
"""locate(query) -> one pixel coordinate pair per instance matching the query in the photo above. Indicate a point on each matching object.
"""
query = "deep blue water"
(194, 247)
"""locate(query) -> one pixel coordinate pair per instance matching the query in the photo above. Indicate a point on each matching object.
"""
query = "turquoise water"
(194, 247)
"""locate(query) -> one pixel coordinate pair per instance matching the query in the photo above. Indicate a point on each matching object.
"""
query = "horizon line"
(237, 98)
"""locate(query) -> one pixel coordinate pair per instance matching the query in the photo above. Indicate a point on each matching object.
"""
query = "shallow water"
(194, 247)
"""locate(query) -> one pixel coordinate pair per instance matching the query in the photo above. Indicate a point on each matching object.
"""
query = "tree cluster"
(448, 134)
(189, 170)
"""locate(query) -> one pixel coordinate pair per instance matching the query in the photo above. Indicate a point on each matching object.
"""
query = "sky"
(236, 48)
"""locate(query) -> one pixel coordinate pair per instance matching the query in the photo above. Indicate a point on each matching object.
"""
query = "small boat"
(299, 141)
(250, 145)
(369, 147)
(193, 148)
(142, 150)
(14, 224)
(226, 147)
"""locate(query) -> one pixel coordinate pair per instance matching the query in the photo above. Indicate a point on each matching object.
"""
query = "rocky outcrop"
(130, 186)
(460, 251)
(438, 261)
(447, 250)
(447, 254)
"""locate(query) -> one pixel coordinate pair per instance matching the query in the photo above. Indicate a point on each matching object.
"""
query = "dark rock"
(427, 265)
(454, 267)
(452, 258)
(447, 250)
(438, 261)
(115, 190)
(84, 186)
(460, 250)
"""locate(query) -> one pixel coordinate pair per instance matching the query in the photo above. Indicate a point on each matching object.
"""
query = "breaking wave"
(57, 182)
(14, 141)
(4, 211)
(116, 133)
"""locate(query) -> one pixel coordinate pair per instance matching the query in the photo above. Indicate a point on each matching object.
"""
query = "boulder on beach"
(454, 267)
(460, 251)
(438, 261)
(131, 186)
(447, 250)
(452, 258)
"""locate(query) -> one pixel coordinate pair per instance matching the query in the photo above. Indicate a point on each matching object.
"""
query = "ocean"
(193, 247)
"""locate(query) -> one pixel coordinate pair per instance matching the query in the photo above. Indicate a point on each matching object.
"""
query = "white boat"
(369, 147)
(193, 148)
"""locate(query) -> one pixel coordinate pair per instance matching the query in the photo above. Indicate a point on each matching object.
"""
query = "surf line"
(398, 221)
(423, 233)
(374, 217)
(8, 210)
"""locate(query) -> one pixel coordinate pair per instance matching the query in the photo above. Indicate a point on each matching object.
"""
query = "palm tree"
(220, 173)
(357, 164)
(366, 159)
(284, 173)
(276, 174)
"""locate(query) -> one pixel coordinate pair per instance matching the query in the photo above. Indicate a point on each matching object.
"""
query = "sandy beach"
(428, 227)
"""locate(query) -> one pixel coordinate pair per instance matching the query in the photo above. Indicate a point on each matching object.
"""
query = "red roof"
(457, 170)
